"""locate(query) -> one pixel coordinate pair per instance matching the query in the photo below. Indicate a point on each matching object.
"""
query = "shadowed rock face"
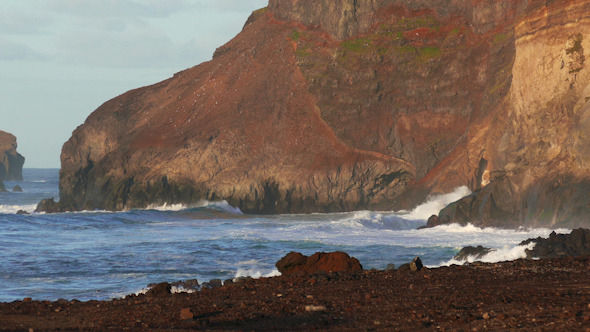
(321, 106)
(11, 162)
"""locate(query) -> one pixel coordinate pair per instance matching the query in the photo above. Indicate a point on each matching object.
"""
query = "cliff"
(537, 154)
(332, 106)
(11, 162)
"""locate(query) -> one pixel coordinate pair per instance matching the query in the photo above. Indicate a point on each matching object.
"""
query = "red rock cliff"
(334, 106)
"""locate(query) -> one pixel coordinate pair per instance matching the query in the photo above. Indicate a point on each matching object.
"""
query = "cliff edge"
(11, 162)
(322, 106)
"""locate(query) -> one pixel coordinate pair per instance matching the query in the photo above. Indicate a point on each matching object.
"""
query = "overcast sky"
(61, 59)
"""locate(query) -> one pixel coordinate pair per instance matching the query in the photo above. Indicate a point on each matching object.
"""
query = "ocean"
(98, 255)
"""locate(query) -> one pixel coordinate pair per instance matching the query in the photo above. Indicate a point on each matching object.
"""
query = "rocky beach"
(551, 294)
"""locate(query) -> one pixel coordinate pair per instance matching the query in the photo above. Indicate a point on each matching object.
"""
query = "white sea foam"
(507, 253)
(378, 220)
(254, 273)
(219, 205)
(12, 209)
(435, 203)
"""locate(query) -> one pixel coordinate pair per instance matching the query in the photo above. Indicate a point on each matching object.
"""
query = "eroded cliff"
(11, 162)
(334, 106)
(538, 158)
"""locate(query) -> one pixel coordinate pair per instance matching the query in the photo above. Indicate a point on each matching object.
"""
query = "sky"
(61, 59)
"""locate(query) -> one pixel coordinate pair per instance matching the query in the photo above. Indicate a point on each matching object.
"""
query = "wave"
(256, 274)
(379, 220)
(435, 203)
(222, 206)
(507, 253)
(12, 209)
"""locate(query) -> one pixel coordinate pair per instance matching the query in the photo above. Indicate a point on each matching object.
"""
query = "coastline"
(529, 294)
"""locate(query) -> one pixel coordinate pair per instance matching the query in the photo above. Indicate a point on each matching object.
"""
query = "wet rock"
(17, 189)
(160, 290)
(192, 284)
(2, 187)
(295, 262)
(433, 221)
(577, 243)
(473, 252)
(22, 212)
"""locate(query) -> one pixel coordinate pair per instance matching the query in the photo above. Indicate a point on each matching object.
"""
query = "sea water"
(103, 255)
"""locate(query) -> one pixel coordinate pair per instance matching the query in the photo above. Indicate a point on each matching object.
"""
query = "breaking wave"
(435, 203)
(12, 209)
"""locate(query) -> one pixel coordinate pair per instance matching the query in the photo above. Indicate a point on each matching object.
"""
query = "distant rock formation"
(323, 106)
(577, 243)
(11, 162)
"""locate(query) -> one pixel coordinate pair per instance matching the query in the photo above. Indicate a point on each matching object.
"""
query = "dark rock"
(212, 284)
(474, 252)
(433, 221)
(17, 189)
(2, 187)
(295, 262)
(21, 212)
(192, 284)
(228, 282)
(159, 290)
(49, 205)
(416, 264)
(577, 243)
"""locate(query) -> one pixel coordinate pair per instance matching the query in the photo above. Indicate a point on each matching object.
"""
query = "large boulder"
(338, 261)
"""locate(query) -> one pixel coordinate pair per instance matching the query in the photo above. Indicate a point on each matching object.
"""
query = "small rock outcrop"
(17, 189)
(11, 162)
(338, 261)
(472, 252)
(159, 290)
(577, 243)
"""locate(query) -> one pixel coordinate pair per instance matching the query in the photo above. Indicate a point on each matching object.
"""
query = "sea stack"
(11, 162)
(323, 106)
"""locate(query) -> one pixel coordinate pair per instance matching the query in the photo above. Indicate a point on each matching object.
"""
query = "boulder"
(319, 262)
(159, 290)
(22, 212)
(416, 264)
(17, 189)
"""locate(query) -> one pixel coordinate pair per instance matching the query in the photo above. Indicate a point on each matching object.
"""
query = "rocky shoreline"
(529, 294)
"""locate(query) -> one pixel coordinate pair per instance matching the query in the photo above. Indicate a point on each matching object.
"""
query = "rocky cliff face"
(537, 157)
(334, 106)
(11, 162)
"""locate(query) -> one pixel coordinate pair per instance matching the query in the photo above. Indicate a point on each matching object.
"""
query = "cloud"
(10, 51)
(115, 43)
(118, 8)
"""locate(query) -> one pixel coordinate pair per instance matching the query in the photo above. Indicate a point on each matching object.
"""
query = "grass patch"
(427, 53)
(357, 45)
(295, 35)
